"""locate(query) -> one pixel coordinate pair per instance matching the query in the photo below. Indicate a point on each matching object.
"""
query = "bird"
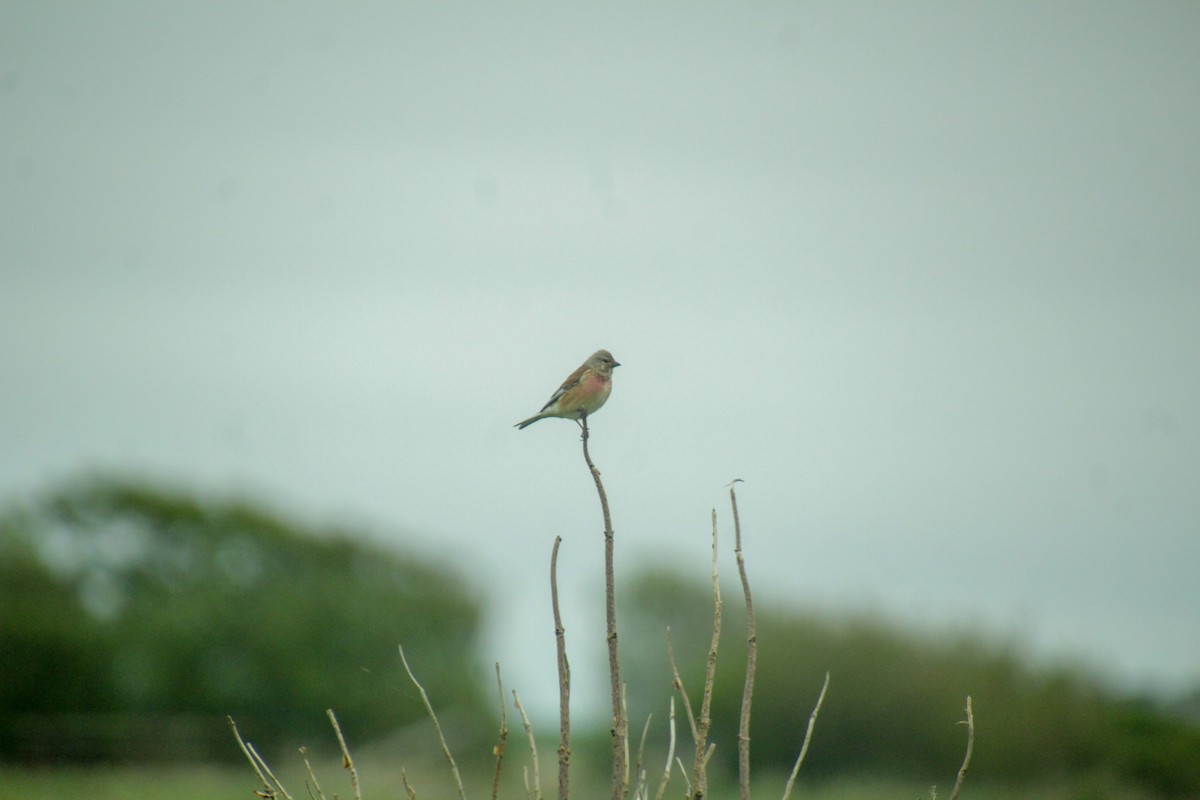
(582, 393)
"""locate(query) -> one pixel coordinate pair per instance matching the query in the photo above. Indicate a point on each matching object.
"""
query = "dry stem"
(751, 655)
(408, 787)
(678, 683)
(503, 737)
(640, 770)
(666, 776)
(687, 791)
(962, 771)
(625, 716)
(348, 762)
(619, 724)
(436, 726)
(703, 749)
(271, 784)
(564, 682)
(536, 794)
(312, 776)
(812, 721)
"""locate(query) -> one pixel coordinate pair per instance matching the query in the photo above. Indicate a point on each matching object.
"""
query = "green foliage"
(1158, 751)
(895, 698)
(134, 619)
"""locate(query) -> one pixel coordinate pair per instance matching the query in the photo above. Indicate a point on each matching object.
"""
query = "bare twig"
(666, 776)
(503, 736)
(708, 754)
(272, 788)
(408, 787)
(962, 771)
(436, 726)
(640, 770)
(267, 769)
(619, 724)
(812, 721)
(537, 779)
(625, 716)
(687, 784)
(678, 683)
(751, 655)
(348, 762)
(564, 682)
(246, 752)
(703, 750)
(312, 776)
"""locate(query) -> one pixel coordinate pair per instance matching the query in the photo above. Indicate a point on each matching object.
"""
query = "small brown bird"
(582, 393)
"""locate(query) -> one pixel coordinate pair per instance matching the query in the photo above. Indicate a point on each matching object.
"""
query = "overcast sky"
(925, 275)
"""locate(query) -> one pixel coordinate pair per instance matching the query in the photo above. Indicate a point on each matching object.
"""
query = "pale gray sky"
(926, 275)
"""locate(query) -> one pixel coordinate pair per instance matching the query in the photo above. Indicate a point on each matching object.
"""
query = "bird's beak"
(616, 363)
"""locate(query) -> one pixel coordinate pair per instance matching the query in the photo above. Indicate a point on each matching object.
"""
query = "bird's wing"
(570, 383)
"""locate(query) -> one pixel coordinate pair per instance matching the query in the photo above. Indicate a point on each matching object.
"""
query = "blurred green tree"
(895, 696)
(133, 619)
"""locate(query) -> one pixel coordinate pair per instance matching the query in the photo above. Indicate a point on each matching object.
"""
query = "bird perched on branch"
(582, 393)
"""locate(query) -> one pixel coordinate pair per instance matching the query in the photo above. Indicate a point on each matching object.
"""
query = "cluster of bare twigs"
(623, 788)
(697, 782)
(273, 789)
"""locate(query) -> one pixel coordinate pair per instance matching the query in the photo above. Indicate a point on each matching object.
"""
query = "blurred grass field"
(192, 782)
(381, 781)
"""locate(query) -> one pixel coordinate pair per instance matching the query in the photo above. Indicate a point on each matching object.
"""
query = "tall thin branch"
(703, 750)
(503, 736)
(347, 761)
(619, 725)
(536, 792)
(751, 655)
(564, 682)
(437, 726)
(962, 771)
(666, 776)
(812, 721)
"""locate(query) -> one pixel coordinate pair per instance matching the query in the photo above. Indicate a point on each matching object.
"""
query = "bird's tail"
(528, 422)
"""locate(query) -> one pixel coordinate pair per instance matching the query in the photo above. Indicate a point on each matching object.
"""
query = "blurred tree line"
(133, 619)
(895, 697)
